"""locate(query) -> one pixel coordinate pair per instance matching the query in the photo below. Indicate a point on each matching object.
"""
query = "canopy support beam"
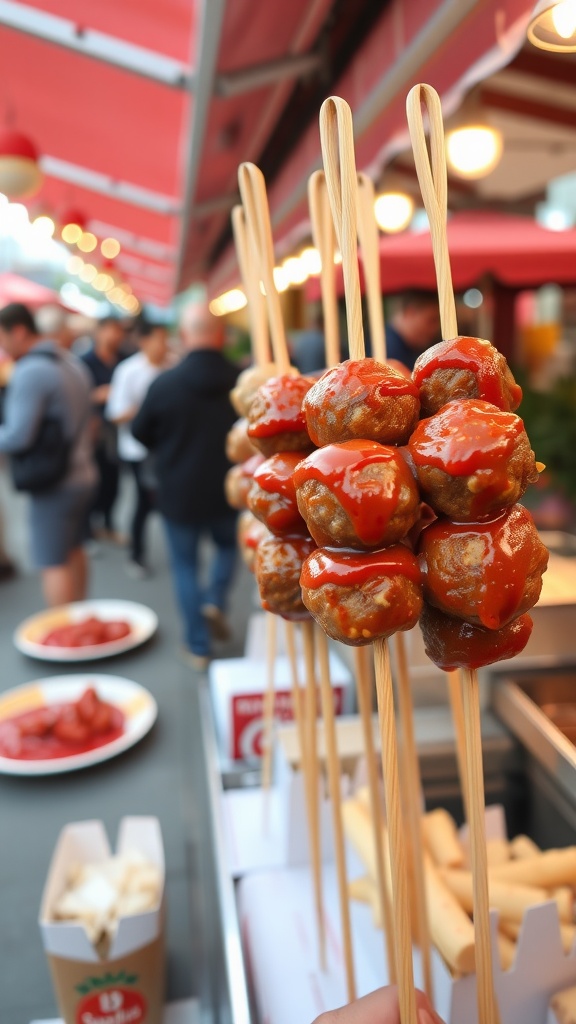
(106, 185)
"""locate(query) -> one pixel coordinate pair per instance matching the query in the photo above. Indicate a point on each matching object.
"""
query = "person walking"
(102, 360)
(46, 431)
(129, 385)
(184, 420)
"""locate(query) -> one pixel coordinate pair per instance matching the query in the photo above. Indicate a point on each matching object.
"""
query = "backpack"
(45, 463)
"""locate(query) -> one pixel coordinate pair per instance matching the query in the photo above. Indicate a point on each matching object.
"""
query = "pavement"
(162, 775)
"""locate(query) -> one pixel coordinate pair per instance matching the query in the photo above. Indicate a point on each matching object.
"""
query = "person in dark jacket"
(184, 420)
(414, 327)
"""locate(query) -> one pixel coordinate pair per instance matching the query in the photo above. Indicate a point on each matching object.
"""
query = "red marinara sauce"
(465, 437)
(61, 730)
(277, 407)
(454, 643)
(369, 502)
(88, 633)
(483, 566)
(479, 357)
(354, 568)
(275, 503)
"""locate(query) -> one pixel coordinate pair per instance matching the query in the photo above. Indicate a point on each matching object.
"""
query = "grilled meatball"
(451, 643)
(238, 482)
(272, 496)
(363, 399)
(239, 447)
(250, 532)
(359, 597)
(277, 568)
(465, 368)
(276, 421)
(487, 573)
(242, 395)
(472, 460)
(358, 494)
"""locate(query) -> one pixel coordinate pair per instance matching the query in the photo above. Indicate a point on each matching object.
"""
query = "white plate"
(139, 707)
(143, 622)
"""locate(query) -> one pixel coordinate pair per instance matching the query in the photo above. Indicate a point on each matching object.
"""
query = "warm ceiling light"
(88, 273)
(131, 304)
(103, 282)
(474, 150)
(75, 264)
(295, 270)
(553, 26)
(44, 226)
(87, 242)
(229, 302)
(116, 295)
(310, 260)
(110, 248)
(280, 279)
(393, 211)
(20, 174)
(337, 257)
(71, 233)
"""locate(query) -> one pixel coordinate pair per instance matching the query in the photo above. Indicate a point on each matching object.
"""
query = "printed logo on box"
(248, 722)
(114, 1006)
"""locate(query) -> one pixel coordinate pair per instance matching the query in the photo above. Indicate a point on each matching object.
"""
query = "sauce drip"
(465, 437)
(353, 569)
(277, 408)
(502, 553)
(278, 507)
(370, 502)
(61, 730)
(476, 355)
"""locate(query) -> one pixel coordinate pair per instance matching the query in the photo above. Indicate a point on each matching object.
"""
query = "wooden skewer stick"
(314, 783)
(411, 772)
(368, 237)
(336, 136)
(368, 234)
(334, 782)
(402, 929)
(296, 692)
(337, 140)
(324, 240)
(433, 185)
(364, 692)
(268, 709)
(487, 1004)
(250, 280)
(254, 198)
(455, 694)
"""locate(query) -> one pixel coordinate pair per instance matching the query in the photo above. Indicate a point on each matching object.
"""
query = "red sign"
(114, 1006)
(248, 723)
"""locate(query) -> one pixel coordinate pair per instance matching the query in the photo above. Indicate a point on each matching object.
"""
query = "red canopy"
(14, 288)
(515, 250)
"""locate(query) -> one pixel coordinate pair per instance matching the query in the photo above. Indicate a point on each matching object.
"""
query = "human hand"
(379, 1007)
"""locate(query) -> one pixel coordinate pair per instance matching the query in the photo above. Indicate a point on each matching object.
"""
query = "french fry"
(451, 929)
(510, 900)
(507, 951)
(498, 851)
(441, 839)
(549, 870)
(522, 847)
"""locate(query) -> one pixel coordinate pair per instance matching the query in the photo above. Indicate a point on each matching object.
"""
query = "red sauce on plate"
(61, 730)
(353, 569)
(88, 633)
(476, 355)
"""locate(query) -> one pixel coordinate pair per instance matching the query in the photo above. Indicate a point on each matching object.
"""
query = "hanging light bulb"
(20, 174)
(474, 150)
(311, 261)
(393, 211)
(553, 26)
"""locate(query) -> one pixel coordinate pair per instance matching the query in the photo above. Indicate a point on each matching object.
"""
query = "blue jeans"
(183, 542)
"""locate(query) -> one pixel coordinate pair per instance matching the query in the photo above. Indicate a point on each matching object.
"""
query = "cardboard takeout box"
(127, 987)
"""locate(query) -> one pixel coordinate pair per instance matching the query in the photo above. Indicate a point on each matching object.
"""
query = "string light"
(74, 265)
(310, 260)
(393, 211)
(44, 226)
(103, 282)
(474, 151)
(87, 273)
(280, 279)
(228, 302)
(71, 233)
(295, 270)
(110, 248)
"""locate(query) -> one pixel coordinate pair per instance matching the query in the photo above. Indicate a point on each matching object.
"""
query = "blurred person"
(184, 421)
(102, 360)
(53, 322)
(7, 566)
(414, 327)
(308, 349)
(130, 382)
(379, 1007)
(48, 386)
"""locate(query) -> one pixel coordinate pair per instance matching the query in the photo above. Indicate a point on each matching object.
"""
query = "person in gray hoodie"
(47, 382)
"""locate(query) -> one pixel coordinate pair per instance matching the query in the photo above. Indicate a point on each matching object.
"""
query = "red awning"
(515, 250)
(14, 288)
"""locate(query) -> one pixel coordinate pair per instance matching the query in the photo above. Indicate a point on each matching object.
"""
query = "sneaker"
(198, 662)
(137, 570)
(217, 622)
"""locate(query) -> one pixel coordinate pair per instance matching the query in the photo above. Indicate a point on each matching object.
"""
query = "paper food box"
(109, 969)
